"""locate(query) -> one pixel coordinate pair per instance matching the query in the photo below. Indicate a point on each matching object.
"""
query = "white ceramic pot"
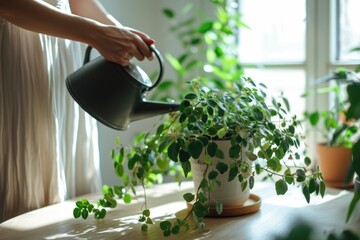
(229, 193)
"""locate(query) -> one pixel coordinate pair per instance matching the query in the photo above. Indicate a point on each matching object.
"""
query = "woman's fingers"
(120, 45)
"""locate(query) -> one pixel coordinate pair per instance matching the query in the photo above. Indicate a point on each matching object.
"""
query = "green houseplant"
(353, 114)
(257, 130)
(334, 150)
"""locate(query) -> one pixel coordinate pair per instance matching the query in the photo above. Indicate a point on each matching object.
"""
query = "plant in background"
(353, 114)
(257, 128)
(331, 122)
(208, 48)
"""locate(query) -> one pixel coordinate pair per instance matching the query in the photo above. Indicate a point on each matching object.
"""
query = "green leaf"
(322, 188)
(112, 154)
(234, 151)
(314, 118)
(220, 154)
(184, 156)
(200, 210)
(149, 221)
(301, 176)
(118, 190)
(79, 204)
(233, 173)
(190, 96)
(102, 213)
(307, 161)
(288, 177)
(257, 168)
(240, 177)
(212, 131)
(133, 161)
(119, 170)
(306, 193)
(251, 182)
(168, 13)
(142, 218)
(210, 111)
(312, 185)
(173, 151)
(212, 148)
(195, 148)
(222, 167)
(251, 156)
(165, 225)
(77, 212)
(244, 185)
(144, 227)
(167, 233)
(281, 187)
(206, 26)
(354, 201)
(146, 212)
(219, 207)
(186, 166)
(286, 102)
(292, 129)
(354, 99)
(258, 114)
(188, 197)
(84, 213)
(356, 157)
(127, 198)
(175, 229)
(212, 175)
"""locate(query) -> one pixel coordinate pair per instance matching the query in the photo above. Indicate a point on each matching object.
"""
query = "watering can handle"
(152, 48)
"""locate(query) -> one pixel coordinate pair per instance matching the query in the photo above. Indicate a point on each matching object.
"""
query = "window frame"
(320, 56)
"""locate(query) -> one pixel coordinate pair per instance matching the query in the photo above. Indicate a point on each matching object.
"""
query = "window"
(273, 49)
(293, 43)
(347, 30)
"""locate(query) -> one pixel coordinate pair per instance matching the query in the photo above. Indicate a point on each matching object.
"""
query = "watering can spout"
(153, 108)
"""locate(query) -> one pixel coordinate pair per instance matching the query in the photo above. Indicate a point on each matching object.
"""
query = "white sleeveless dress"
(48, 144)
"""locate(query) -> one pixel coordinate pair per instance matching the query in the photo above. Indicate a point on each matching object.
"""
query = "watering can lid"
(138, 74)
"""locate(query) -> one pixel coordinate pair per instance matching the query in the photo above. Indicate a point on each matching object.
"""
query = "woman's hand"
(116, 43)
(119, 44)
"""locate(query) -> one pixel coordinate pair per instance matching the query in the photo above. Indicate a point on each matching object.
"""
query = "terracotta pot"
(334, 164)
(229, 193)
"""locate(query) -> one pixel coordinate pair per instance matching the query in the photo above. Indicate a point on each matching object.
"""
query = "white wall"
(147, 17)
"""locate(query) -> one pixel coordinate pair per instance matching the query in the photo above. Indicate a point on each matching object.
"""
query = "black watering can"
(115, 95)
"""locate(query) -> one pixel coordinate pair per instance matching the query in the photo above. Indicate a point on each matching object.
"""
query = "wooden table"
(276, 217)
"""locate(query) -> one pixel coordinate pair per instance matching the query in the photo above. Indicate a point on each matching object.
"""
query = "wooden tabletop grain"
(277, 215)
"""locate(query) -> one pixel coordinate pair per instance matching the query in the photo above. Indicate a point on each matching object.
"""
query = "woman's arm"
(115, 43)
(94, 10)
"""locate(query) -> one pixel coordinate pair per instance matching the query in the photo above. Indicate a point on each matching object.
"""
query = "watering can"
(115, 94)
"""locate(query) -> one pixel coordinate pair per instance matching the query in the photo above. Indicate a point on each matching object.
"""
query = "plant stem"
(197, 193)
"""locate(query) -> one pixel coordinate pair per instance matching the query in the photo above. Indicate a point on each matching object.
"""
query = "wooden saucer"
(250, 206)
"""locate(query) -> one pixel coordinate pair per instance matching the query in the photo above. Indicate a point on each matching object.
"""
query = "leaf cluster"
(331, 122)
(207, 44)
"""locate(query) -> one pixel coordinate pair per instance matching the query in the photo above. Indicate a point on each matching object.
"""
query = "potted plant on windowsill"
(334, 153)
(260, 136)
